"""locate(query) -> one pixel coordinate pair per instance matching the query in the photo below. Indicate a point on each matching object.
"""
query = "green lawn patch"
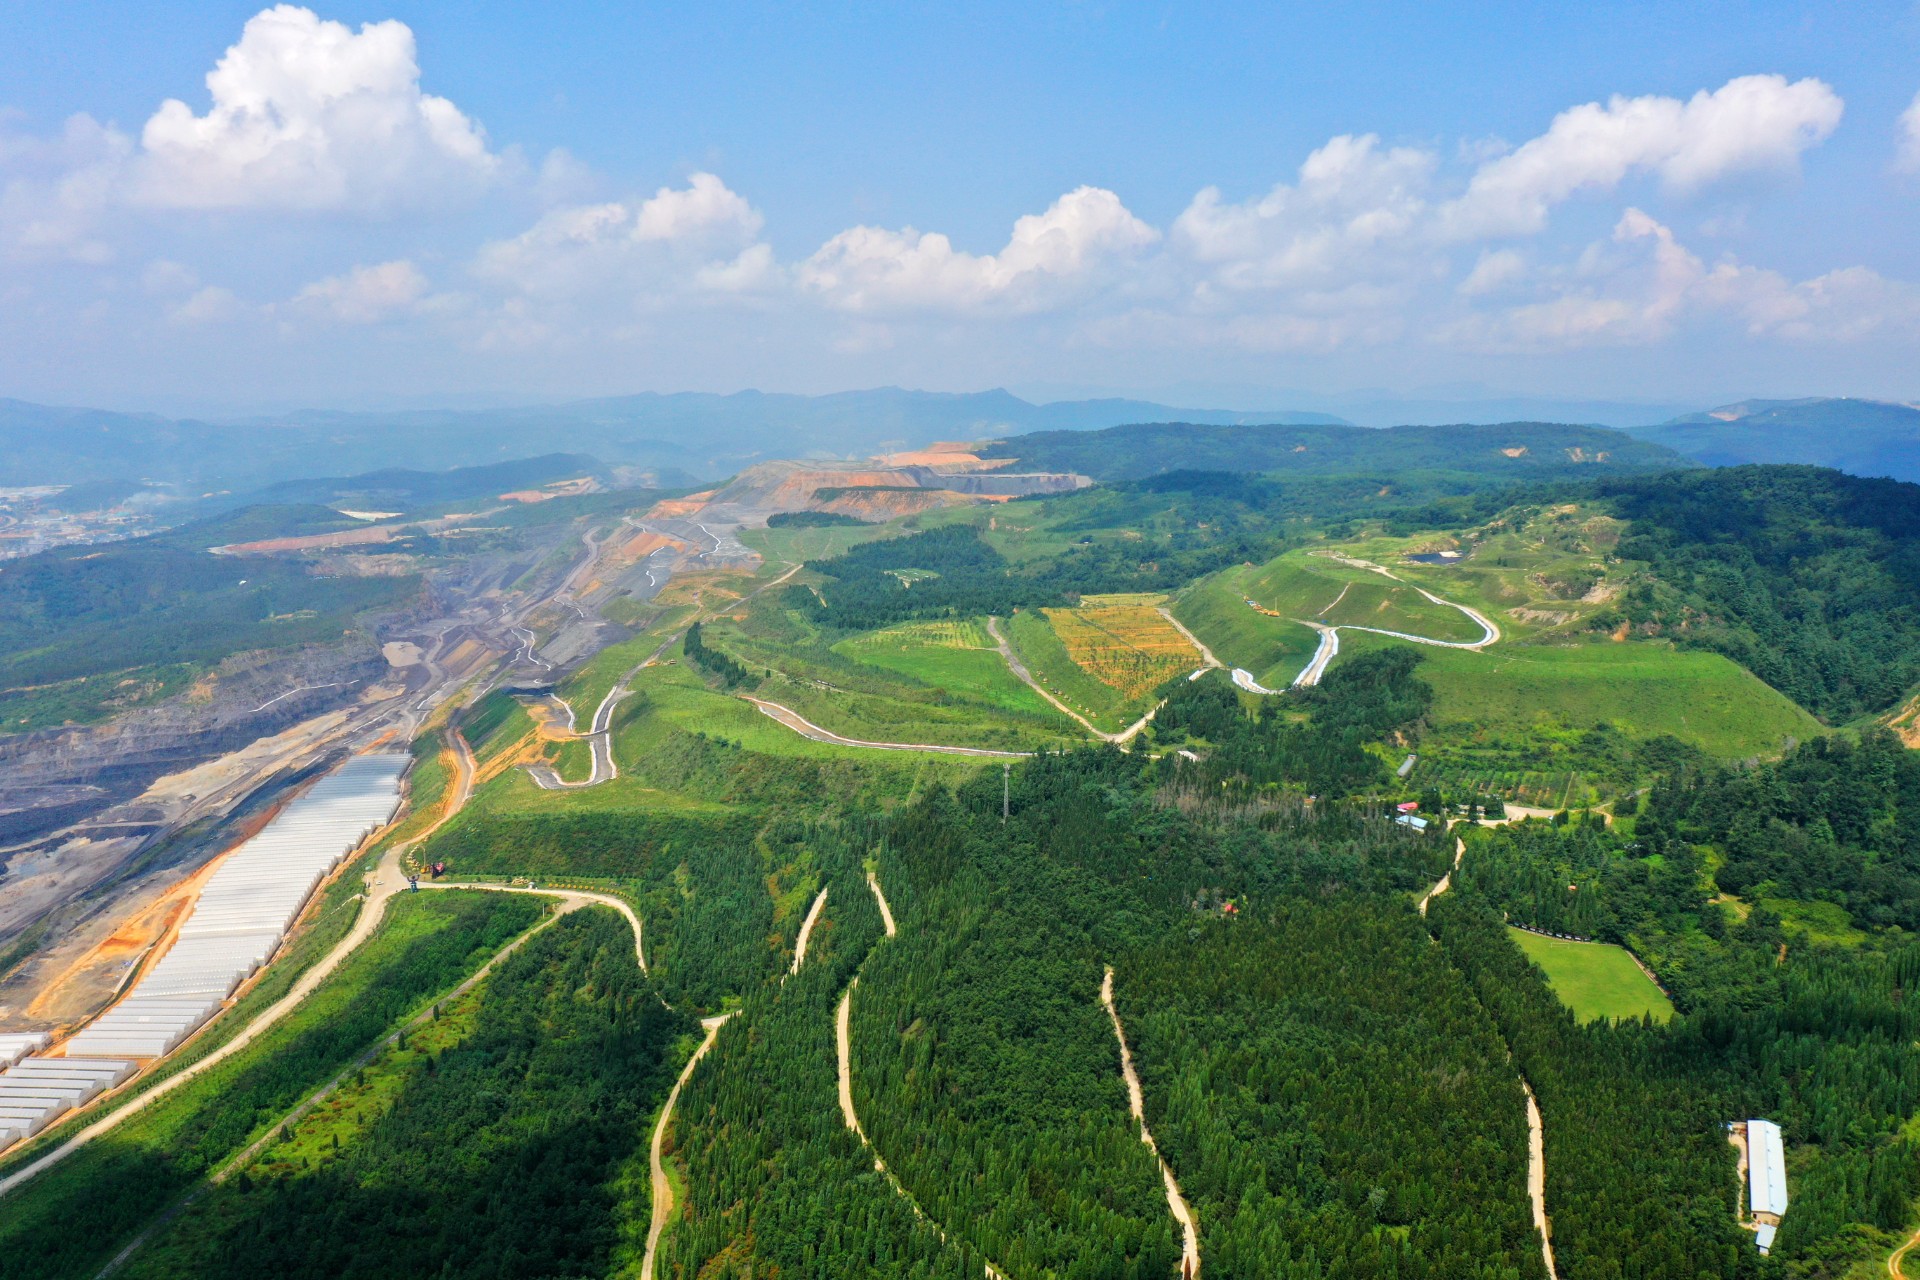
(1642, 688)
(958, 657)
(1596, 980)
(796, 545)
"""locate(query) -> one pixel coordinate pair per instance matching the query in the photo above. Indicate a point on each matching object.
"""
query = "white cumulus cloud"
(1353, 198)
(365, 295)
(1081, 235)
(1910, 135)
(703, 235)
(1643, 285)
(308, 114)
(1752, 123)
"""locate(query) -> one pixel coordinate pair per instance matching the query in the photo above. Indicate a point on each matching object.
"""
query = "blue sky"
(416, 202)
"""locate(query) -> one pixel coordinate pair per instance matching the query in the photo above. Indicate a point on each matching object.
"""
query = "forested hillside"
(1810, 578)
(162, 608)
(498, 1143)
(1509, 452)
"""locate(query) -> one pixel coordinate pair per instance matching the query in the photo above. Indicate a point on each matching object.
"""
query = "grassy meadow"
(1599, 982)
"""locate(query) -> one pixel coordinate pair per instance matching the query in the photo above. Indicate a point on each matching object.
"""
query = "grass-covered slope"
(1809, 578)
(1596, 980)
(1643, 688)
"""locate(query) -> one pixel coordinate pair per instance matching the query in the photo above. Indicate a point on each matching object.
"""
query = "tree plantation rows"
(1336, 1100)
(73, 1218)
(1817, 1037)
(502, 1154)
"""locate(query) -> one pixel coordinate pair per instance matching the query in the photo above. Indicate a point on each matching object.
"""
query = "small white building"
(1766, 1178)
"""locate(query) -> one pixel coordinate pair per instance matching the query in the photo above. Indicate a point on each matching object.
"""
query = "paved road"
(1328, 650)
(1136, 1107)
(1330, 639)
(1244, 679)
(600, 734)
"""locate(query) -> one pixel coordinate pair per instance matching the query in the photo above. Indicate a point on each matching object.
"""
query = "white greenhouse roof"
(1766, 1168)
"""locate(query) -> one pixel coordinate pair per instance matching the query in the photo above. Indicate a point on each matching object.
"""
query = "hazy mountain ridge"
(1862, 437)
(695, 433)
(1522, 450)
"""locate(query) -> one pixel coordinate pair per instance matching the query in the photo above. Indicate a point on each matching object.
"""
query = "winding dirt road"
(843, 1051)
(1898, 1256)
(886, 912)
(806, 931)
(1445, 882)
(662, 1185)
(1136, 1107)
(1127, 734)
(1206, 654)
(806, 728)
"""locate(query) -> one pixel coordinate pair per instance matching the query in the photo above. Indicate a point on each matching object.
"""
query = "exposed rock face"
(56, 776)
(797, 486)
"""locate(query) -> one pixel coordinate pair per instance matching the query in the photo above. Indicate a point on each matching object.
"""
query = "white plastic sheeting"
(15, 1045)
(34, 1092)
(1766, 1168)
(245, 909)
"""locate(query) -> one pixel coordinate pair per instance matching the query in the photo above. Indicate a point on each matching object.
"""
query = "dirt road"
(386, 879)
(1537, 1179)
(1136, 1107)
(843, 1050)
(806, 931)
(1206, 654)
(1127, 734)
(1445, 882)
(306, 1105)
(662, 1185)
(886, 912)
(807, 729)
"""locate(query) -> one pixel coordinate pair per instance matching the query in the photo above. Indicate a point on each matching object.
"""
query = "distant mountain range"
(1863, 437)
(1516, 450)
(690, 437)
(682, 437)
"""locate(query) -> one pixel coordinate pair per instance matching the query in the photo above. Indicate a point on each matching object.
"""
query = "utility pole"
(1006, 791)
